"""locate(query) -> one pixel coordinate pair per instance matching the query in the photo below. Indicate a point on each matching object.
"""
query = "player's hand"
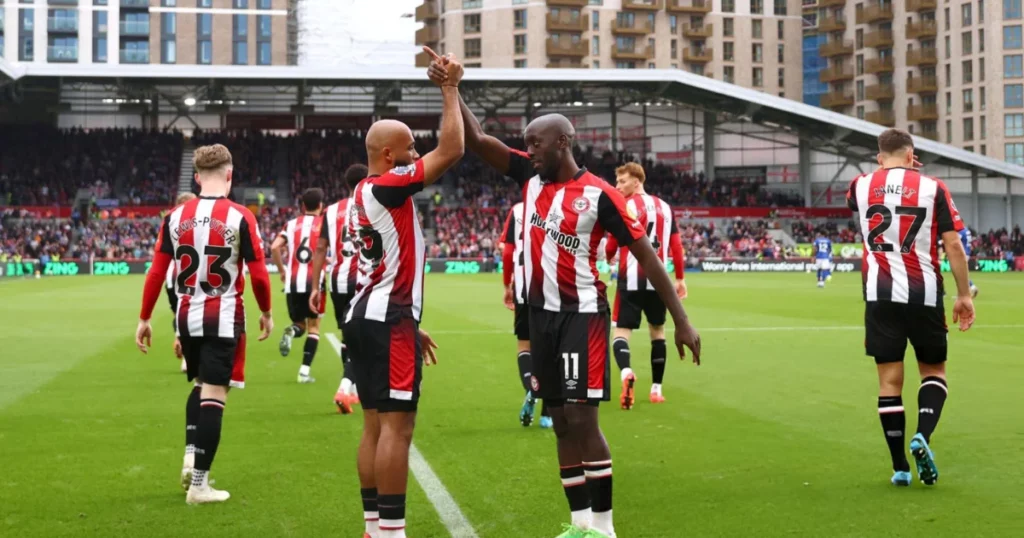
(509, 299)
(266, 325)
(681, 288)
(916, 164)
(963, 312)
(144, 336)
(436, 71)
(282, 276)
(444, 70)
(428, 346)
(314, 300)
(688, 337)
(177, 348)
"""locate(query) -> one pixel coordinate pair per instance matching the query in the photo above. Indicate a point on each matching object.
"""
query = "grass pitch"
(775, 435)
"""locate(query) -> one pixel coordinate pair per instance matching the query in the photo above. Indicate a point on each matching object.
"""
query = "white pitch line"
(451, 515)
(741, 329)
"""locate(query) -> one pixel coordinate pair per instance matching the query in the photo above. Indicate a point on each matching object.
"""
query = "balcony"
(879, 39)
(915, 6)
(634, 27)
(880, 92)
(567, 65)
(698, 55)
(427, 34)
(922, 112)
(646, 5)
(135, 28)
(689, 7)
(637, 52)
(568, 3)
(423, 59)
(567, 23)
(135, 4)
(703, 31)
(923, 85)
(62, 53)
(875, 66)
(831, 24)
(134, 56)
(835, 74)
(922, 57)
(836, 99)
(874, 13)
(567, 48)
(831, 3)
(836, 48)
(427, 11)
(62, 25)
(882, 117)
(919, 29)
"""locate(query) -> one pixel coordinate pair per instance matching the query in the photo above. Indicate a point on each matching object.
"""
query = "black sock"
(297, 331)
(211, 414)
(620, 346)
(192, 419)
(930, 399)
(599, 483)
(575, 484)
(525, 364)
(894, 425)
(369, 496)
(309, 350)
(392, 512)
(658, 355)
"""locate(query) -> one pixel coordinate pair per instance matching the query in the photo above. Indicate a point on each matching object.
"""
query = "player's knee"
(623, 333)
(932, 370)
(398, 426)
(218, 392)
(657, 332)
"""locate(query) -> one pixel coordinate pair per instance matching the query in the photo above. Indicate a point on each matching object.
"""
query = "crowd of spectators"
(466, 233)
(1000, 243)
(42, 165)
(804, 231)
(35, 238)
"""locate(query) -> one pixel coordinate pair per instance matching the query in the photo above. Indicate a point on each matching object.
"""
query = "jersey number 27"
(876, 241)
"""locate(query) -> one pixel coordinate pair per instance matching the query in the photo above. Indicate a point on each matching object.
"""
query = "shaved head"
(389, 143)
(549, 144)
(555, 124)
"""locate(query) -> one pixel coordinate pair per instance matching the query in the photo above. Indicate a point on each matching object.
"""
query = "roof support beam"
(831, 182)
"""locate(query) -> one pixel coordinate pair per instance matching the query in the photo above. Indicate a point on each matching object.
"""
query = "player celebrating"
(823, 258)
(634, 293)
(382, 325)
(208, 238)
(172, 297)
(566, 212)
(336, 250)
(512, 263)
(902, 214)
(298, 235)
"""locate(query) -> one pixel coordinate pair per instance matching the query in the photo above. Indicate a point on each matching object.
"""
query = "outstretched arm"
(451, 141)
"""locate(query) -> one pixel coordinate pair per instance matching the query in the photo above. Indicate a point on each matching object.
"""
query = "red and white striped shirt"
(342, 265)
(301, 235)
(902, 215)
(655, 217)
(386, 230)
(513, 234)
(563, 224)
(209, 239)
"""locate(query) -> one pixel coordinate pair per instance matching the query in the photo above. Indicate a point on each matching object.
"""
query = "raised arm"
(451, 144)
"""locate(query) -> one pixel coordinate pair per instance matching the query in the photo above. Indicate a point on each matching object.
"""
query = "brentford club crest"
(534, 384)
(581, 204)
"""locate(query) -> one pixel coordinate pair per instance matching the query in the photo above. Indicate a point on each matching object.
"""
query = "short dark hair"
(893, 140)
(356, 173)
(312, 198)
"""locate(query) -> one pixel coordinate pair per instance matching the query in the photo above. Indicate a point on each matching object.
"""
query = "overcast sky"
(362, 32)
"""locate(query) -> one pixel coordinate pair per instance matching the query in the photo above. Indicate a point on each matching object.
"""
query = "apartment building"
(753, 43)
(949, 70)
(197, 32)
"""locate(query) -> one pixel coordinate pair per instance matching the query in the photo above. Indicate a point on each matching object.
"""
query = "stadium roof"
(820, 126)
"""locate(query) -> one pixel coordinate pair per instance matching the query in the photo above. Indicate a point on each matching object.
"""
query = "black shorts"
(889, 325)
(298, 307)
(570, 356)
(387, 362)
(214, 360)
(629, 305)
(521, 325)
(341, 303)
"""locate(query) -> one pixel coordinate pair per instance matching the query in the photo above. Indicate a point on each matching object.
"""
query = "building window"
(728, 74)
(204, 25)
(595, 46)
(263, 53)
(1013, 66)
(1014, 153)
(968, 100)
(967, 72)
(240, 54)
(860, 112)
(168, 51)
(673, 49)
(860, 90)
(981, 40)
(99, 40)
(472, 4)
(204, 53)
(99, 50)
(729, 6)
(472, 48)
(727, 52)
(26, 43)
(519, 64)
(241, 23)
(263, 4)
(782, 53)
(673, 23)
(1013, 125)
(982, 150)
(782, 77)
(965, 14)
(597, 64)
(595, 21)
(949, 103)
(1011, 37)
(519, 18)
(860, 65)
(471, 23)
(780, 9)
(1013, 96)
(1011, 9)
(62, 49)
(984, 127)
(204, 3)
(263, 26)
(756, 29)
(241, 4)
(981, 11)
(727, 28)
(755, 52)
(949, 131)
(947, 19)
(781, 29)
(966, 44)
(520, 43)
(981, 69)
(758, 76)
(949, 47)
(981, 103)
(757, 7)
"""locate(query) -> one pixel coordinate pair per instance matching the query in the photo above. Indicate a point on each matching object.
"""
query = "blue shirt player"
(823, 258)
(965, 239)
